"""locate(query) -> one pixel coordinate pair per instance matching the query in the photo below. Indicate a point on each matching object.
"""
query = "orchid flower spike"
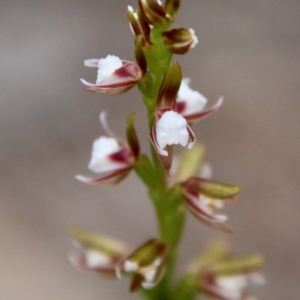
(203, 197)
(115, 76)
(111, 157)
(190, 104)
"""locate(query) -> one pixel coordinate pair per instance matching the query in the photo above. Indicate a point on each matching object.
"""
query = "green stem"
(167, 201)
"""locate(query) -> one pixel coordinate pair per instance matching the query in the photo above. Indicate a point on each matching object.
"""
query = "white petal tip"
(82, 178)
(221, 218)
(190, 145)
(87, 83)
(163, 152)
(130, 266)
(220, 101)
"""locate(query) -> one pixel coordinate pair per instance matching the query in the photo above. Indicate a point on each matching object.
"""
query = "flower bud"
(137, 24)
(172, 7)
(133, 21)
(115, 76)
(153, 12)
(179, 41)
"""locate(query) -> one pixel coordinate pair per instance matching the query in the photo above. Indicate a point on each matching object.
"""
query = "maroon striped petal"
(204, 113)
(111, 178)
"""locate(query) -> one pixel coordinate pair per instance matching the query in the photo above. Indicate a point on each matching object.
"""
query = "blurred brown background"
(248, 52)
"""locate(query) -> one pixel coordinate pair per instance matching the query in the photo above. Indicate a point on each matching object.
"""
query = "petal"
(111, 178)
(169, 87)
(211, 189)
(165, 155)
(121, 80)
(79, 262)
(192, 136)
(92, 63)
(154, 142)
(132, 138)
(108, 155)
(172, 7)
(204, 113)
(104, 124)
(113, 89)
(196, 206)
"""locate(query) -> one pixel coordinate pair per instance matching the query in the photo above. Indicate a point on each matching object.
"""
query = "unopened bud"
(180, 40)
(153, 13)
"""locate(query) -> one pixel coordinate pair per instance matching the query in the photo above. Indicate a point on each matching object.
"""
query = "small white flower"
(191, 104)
(114, 76)
(111, 158)
(107, 66)
(171, 129)
(103, 147)
(96, 254)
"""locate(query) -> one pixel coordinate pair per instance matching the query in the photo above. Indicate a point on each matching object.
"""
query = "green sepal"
(134, 22)
(212, 189)
(139, 54)
(215, 252)
(144, 26)
(191, 162)
(153, 13)
(172, 7)
(218, 190)
(132, 138)
(170, 86)
(238, 265)
(148, 253)
(144, 86)
(103, 244)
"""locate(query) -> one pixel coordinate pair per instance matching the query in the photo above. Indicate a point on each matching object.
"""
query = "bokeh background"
(248, 52)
